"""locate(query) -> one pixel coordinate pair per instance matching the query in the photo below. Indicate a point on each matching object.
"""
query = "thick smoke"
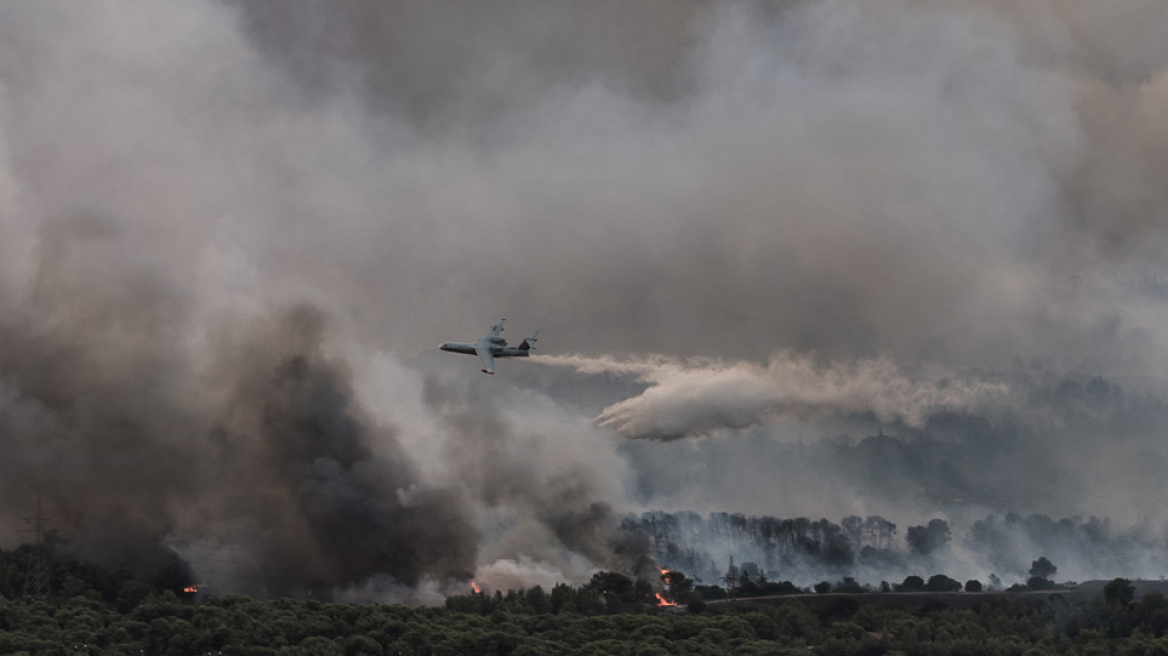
(228, 230)
(888, 178)
(331, 497)
(267, 464)
(551, 503)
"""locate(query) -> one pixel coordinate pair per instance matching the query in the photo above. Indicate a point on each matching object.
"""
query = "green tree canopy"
(1119, 592)
(925, 540)
(912, 583)
(942, 583)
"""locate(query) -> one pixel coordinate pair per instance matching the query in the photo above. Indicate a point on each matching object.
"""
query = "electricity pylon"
(36, 578)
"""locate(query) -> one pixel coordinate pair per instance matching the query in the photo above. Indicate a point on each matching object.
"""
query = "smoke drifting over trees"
(838, 259)
(869, 549)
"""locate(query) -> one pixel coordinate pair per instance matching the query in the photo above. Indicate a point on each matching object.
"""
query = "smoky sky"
(726, 180)
(231, 234)
(819, 176)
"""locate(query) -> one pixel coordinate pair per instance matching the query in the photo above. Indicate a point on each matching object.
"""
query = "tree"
(538, 601)
(613, 585)
(563, 598)
(927, 539)
(942, 583)
(838, 549)
(849, 585)
(746, 587)
(1039, 583)
(1119, 592)
(130, 595)
(880, 531)
(1117, 596)
(1151, 614)
(359, 644)
(643, 592)
(616, 589)
(823, 587)
(854, 527)
(710, 591)
(779, 588)
(912, 583)
(973, 585)
(589, 602)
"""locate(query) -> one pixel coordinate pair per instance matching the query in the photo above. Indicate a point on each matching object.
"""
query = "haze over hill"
(809, 258)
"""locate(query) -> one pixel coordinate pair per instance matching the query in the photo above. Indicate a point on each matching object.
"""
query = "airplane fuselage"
(473, 349)
(458, 347)
(491, 346)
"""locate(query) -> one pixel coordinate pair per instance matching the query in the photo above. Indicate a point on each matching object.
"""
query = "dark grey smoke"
(332, 496)
(269, 460)
(97, 414)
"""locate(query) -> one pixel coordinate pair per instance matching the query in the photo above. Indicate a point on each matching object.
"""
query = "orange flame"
(662, 601)
(191, 589)
(475, 586)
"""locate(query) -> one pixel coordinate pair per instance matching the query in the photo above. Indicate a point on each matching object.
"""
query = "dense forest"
(96, 610)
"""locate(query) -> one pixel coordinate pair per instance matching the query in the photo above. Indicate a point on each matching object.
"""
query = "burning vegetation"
(105, 610)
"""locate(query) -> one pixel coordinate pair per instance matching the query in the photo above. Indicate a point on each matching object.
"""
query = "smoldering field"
(791, 259)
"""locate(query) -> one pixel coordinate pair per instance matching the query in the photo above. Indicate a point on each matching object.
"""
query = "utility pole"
(36, 578)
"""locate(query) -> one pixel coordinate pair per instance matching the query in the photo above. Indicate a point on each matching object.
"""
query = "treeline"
(578, 621)
(688, 542)
(810, 549)
(92, 609)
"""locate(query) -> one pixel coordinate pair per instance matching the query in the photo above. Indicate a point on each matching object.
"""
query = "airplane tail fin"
(529, 343)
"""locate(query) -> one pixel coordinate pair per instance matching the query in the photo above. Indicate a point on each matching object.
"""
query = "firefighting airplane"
(491, 346)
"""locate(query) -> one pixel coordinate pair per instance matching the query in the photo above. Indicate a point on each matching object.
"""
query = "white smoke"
(701, 396)
(521, 572)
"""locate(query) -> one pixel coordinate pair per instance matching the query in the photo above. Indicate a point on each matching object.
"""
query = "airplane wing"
(487, 358)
